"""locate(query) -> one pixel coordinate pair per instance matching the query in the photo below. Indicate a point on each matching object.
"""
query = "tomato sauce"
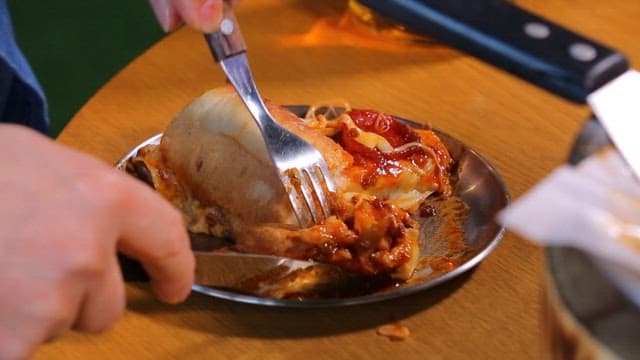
(372, 163)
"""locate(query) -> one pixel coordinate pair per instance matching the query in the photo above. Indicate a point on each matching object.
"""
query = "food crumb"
(395, 331)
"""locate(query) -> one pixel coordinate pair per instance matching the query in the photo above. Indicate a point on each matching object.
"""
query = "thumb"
(166, 14)
(202, 15)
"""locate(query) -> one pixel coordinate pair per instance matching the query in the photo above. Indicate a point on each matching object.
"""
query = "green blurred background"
(75, 46)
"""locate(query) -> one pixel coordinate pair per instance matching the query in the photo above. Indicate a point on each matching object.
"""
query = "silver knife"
(616, 106)
(230, 269)
(537, 50)
(223, 269)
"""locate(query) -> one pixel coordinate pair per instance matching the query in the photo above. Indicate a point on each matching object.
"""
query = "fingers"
(140, 223)
(104, 302)
(143, 224)
(27, 322)
(124, 212)
(35, 307)
(202, 15)
(152, 232)
(59, 233)
(166, 14)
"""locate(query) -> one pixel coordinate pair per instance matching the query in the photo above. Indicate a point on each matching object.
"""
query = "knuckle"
(175, 224)
(111, 191)
(12, 347)
(104, 187)
(104, 323)
(87, 261)
(102, 310)
(176, 232)
(171, 250)
(55, 312)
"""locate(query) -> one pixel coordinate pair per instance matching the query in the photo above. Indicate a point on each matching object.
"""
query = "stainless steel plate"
(478, 185)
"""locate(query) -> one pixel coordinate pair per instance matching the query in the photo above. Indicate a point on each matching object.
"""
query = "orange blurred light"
(347, 31)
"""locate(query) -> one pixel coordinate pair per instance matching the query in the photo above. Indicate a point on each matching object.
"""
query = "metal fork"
(300, 166)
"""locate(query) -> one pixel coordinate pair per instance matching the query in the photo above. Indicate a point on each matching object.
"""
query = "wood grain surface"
(301, 54)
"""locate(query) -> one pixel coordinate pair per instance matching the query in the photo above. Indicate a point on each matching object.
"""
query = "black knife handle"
(513, 39)
(131, 269)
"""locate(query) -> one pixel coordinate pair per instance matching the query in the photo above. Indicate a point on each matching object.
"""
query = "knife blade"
(222, 269)
(231, 269)
(538, 51)
(616, 106)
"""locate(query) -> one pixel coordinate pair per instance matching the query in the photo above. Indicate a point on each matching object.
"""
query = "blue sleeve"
(22, 100)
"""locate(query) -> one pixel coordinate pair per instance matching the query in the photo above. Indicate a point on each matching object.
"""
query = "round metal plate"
(478, 185)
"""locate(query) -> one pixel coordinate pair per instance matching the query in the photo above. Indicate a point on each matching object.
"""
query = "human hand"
(202, 15)
(63, 217)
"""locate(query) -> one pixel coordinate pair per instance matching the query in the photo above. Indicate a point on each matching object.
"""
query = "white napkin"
(594, 207)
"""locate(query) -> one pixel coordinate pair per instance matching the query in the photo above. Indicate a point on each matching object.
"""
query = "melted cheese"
(409, 188)
(366, 138)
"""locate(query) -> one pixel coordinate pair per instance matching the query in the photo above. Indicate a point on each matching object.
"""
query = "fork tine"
(291, 182)
(321, 188)
(308, 188)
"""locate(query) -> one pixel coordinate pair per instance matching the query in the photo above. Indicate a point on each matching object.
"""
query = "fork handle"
(132, 270)
(228, 41)
(228, 49)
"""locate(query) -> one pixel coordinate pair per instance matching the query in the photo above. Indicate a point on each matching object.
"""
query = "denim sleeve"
(22, 100)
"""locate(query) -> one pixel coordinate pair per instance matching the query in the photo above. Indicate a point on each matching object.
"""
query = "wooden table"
(300, 55)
